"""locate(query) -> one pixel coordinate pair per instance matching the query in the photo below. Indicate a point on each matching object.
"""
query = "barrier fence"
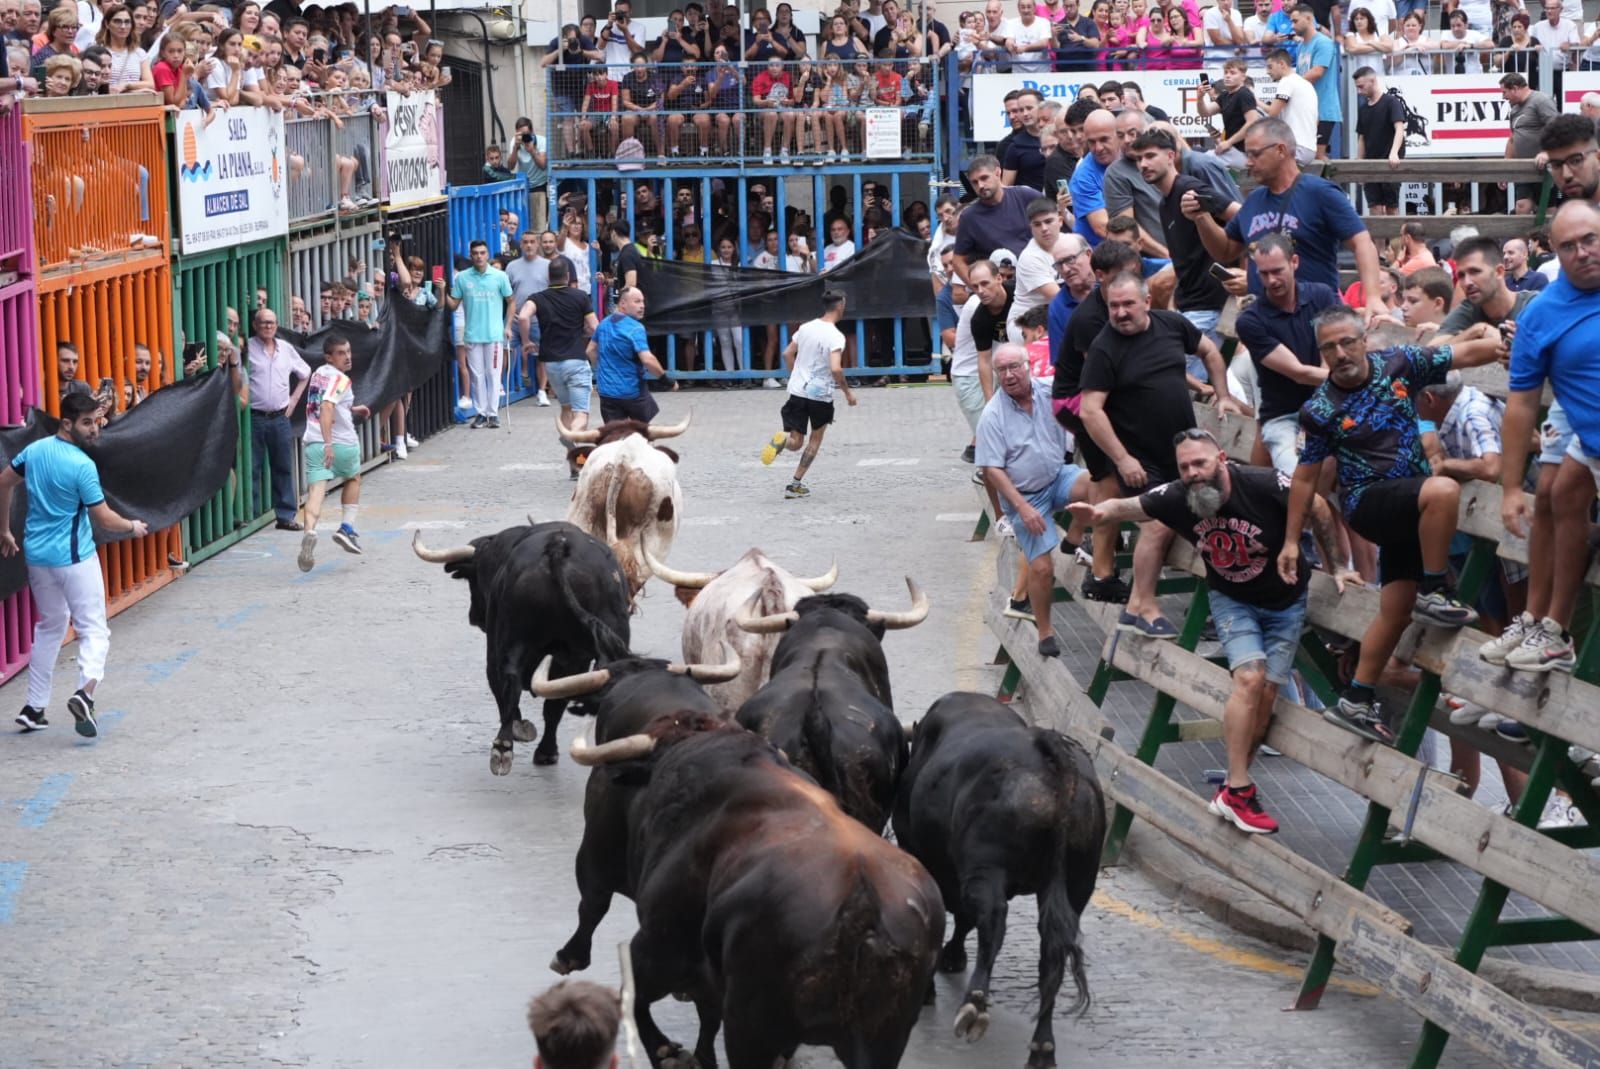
(99, 181)
(19, 345)
(1436, 823)
(313, 178)
(104, 312)
(206, 287)
(425, 232)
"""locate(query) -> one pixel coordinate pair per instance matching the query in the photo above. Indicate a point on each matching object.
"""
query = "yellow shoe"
(770, 451)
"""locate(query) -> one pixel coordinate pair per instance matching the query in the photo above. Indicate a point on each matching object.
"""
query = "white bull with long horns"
(711, 633)
(628, 488)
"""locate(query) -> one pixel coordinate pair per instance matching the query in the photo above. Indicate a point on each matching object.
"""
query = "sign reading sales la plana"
(412, 149)
(230, 177)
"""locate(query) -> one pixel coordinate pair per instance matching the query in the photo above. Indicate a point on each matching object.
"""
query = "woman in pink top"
(1183, 39)
(1052, 12)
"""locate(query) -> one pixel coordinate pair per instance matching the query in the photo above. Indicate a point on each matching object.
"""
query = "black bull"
(828, 706)
(624, 697)
(546, 589)
(995, 808)
(779, 915)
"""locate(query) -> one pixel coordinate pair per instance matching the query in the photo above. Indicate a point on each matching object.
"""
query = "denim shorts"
(1281, 436)
(571, 380)
(1251, 634)
(1205, 321)
(1048, 501)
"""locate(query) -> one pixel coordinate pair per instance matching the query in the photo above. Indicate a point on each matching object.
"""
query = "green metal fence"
(205, 287)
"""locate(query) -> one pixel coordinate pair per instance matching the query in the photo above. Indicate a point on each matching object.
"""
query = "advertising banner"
(411, 156)
(231, 168)
(1175, 92)
(1453, 114)
(1574, 84)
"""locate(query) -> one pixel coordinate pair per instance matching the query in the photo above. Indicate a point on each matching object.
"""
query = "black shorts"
(1387, 516)
(798, 412)
(1095, 459)
(1153, 477)
(1382, 194)
(1325, 132)
(642, 408)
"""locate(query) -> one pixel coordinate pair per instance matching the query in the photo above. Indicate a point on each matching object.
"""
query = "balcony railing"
(705, 114)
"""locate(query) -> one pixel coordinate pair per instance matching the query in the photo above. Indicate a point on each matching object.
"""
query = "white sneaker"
(544, 401)
(400, 450)
(1462, 712)
(766, 157)
(1494, 651)
(1490, 721)
(783, 155)
(1002, 527)
(771, 384)
(831, 157)
(411, 443)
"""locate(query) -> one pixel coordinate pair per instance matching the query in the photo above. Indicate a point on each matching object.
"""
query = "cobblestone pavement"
(287, 849)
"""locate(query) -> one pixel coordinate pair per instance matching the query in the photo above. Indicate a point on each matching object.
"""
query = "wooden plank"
(1435, 227)
(1514, 1033)
(1488, 169)
(1553, 875)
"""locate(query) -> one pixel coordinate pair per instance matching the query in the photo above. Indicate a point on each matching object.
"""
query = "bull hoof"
(972, 1020)
(1041, 1055)
(500, 758)
(523, 731)
(675, 1057)
(546, 757)
(953, 958)
(566, 962)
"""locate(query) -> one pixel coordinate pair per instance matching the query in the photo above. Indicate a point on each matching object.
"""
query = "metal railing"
(716, 114)
(322, 150)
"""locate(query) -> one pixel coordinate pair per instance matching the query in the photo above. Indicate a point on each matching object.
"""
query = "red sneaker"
(1243, 807)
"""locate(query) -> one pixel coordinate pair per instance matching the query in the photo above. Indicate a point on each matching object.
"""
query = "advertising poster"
(1175, 92)
(231, 170)
(1453, 114)
(411, 158)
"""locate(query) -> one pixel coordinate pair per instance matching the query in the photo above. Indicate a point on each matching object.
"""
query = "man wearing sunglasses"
(1365, 417)
(1236, 516)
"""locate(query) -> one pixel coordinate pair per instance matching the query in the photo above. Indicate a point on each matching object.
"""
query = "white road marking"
(433, 525)
(888, 462)
(534, 467)
(957, 517)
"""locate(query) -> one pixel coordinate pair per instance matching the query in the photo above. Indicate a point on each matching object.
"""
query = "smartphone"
(402, 10)
(1220, 273)
(105, 384)
(1205, 79)
(438, 275)
(320, 55)
(1063, 185)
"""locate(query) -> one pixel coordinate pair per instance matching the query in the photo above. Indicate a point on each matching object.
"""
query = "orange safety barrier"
(99, 172)
(104, 312)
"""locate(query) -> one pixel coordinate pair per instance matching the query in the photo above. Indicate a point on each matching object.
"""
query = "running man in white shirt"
(332, 448)
(816, 357)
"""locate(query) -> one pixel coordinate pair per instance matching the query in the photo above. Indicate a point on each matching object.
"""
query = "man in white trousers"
(63, 571)
(486, 293)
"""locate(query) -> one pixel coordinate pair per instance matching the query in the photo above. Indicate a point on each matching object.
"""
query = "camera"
(527, 139)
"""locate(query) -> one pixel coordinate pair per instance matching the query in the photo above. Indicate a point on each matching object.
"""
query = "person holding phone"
(1200, 294)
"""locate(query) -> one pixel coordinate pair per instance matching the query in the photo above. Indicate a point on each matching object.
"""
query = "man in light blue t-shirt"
(621, 354)
(63, 570)
(486, 332)
(1317, 61)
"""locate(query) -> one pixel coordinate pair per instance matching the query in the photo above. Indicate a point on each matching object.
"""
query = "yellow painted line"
(1213, 948)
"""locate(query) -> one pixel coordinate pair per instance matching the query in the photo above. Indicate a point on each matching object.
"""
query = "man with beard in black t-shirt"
(1135, 398)
(1236, 516)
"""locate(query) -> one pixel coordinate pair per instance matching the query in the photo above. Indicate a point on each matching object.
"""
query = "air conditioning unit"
(503, 25)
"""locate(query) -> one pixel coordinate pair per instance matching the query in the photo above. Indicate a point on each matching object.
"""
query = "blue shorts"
(1251, 634)
(1555, 435)
(1205, 321)
(570, 379)
(1048, 501)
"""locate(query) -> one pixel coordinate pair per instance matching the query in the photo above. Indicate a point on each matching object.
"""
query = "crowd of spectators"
(1097, 213)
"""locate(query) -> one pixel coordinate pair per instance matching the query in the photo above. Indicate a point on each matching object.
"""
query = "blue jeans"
(272, 438)
(1250, 633)
(1205, 321)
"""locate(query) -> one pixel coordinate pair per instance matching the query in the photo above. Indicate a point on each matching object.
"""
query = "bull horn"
(588, 436)
(693, 580)
(670, 430)
(441, 556)
(572, 686)
(895, 621)
(709, 673)
(763, 625)
(823, 581)
(623, 749)
(531, 521)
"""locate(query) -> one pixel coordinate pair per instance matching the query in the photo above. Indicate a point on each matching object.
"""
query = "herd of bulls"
(739, 797)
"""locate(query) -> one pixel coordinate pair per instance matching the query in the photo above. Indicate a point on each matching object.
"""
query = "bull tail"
(1060, 947)
(816, 733)
(618, 476)
(606, 643)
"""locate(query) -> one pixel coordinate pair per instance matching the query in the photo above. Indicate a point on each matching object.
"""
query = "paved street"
(287, 848)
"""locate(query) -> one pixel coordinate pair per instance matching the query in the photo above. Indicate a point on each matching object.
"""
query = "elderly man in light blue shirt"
(1024, 454)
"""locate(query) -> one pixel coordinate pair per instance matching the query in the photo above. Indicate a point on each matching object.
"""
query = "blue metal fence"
(475, 216)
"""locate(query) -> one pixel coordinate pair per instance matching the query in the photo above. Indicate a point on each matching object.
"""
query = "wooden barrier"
(1365, 936)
